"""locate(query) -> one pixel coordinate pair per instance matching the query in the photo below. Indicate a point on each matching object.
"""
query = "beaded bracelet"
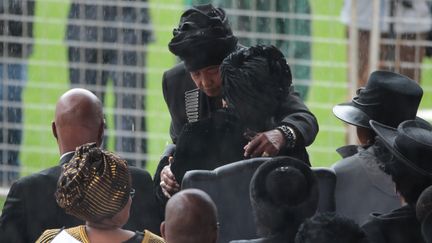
(289, 134)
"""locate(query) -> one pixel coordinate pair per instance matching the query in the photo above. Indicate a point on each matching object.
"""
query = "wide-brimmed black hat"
(388, 98)
(411, 143)
(203, 37)
(282, 188)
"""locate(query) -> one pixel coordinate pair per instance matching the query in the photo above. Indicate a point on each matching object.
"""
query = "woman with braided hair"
(95, 186)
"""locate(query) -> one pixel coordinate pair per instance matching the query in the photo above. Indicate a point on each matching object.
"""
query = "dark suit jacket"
(31, 208)
(398, 226)
(177, 81)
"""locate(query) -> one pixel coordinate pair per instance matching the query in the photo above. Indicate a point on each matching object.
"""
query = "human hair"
(255, 80)
(330, 227)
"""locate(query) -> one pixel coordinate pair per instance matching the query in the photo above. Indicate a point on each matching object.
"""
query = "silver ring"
(265, 154)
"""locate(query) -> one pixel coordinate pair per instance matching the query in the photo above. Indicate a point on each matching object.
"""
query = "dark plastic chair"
(228, 186)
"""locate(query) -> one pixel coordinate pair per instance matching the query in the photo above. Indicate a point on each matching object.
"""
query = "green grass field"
(48, 76)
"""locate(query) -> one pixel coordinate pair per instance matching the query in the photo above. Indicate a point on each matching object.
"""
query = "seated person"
(95, 186)
(330, 228)
(358, 174)
(193, 91)
(424, 213)
(410, 167)
(280, 209)
(190, 217)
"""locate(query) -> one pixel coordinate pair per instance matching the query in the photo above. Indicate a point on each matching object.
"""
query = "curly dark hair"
(409, 183)
(330, 227)
(255, 80)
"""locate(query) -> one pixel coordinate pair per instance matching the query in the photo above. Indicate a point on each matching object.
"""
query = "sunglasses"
(132, 192)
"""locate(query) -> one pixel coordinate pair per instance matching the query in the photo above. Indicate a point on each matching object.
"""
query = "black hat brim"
(350, 114)
(388, 136)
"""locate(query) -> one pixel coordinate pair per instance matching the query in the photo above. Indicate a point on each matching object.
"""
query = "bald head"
(78, 119)
(190, 216)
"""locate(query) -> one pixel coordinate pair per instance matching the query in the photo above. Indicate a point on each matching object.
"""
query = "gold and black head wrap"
(95, 184)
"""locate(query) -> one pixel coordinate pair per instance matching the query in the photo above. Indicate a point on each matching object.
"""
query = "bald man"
(190, 217)
(30, 206)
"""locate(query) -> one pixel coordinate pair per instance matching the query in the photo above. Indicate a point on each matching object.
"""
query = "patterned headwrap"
(95, 184)
(203, 37)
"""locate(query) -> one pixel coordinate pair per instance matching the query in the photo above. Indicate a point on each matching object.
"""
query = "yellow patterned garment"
(80, 234)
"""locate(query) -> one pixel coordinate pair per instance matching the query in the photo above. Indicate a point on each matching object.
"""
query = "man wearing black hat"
(192, 89)
(410, 167)
(280, 209)
(389, 98)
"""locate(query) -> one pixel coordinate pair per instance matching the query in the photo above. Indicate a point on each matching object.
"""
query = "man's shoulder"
(49, 173)
(141, 175)
(135, 171)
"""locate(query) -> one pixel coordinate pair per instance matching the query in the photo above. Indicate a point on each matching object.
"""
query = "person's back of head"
(330, 228)
(190, 217)
(255, 81)
(278, 208)
(95, 185)
(78, 119)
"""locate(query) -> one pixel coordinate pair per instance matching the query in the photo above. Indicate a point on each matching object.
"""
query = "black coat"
(177, 82)
(223, 144)
(31, 208)
(398, 226)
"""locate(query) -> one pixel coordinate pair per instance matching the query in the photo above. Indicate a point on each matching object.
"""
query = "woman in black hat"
(410, 167)
(193, 88)
(362, 187)
(280, 209)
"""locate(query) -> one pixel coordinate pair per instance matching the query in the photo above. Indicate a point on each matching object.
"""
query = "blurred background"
(122, 47)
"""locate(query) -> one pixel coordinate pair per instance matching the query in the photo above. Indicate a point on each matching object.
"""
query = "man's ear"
(162, 229)
(101, 132)
(54, 129)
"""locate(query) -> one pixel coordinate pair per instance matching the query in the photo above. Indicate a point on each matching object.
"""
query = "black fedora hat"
(388, 98)
(274, 201)
(411, 143)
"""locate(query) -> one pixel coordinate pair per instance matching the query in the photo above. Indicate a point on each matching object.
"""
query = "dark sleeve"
(13, 217)
(294, 113)
(175, 125)
(162, 200)
(145, 210)
(373, 232)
